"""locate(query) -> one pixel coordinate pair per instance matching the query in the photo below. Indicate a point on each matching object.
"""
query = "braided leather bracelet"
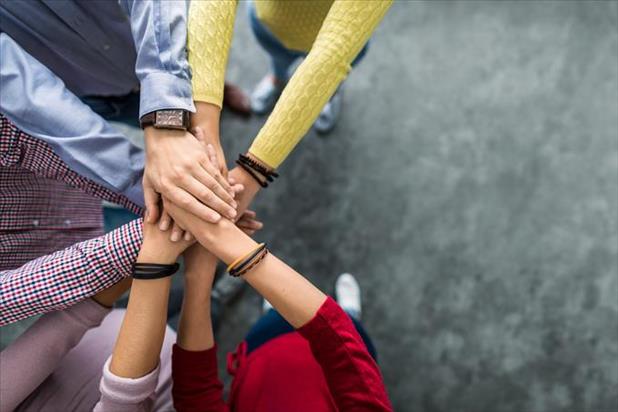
(254, 169)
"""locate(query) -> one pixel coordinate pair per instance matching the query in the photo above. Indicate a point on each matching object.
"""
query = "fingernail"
(188, 236)
(234, 204)
(164, 225)
(232, 214)
(215, 217)
(175, 237)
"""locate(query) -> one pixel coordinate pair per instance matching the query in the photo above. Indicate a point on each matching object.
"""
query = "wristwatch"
(167, 119)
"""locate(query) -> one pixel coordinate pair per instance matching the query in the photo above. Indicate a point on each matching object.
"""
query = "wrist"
(155, 252)
(207, 118)
(259, 161)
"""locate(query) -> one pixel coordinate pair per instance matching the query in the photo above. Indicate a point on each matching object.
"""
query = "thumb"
(151, 199)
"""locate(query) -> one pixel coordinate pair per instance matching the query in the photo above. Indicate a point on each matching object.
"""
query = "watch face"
(169, 118)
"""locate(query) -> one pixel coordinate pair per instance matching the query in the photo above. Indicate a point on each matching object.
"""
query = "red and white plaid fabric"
(45, 206)
(59, 280)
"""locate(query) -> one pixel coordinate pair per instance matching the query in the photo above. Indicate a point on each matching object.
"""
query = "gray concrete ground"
(472, 187)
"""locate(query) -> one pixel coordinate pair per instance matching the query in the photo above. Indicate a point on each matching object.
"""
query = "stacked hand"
(179, 167)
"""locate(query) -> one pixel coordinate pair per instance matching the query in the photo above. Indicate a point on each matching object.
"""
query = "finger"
(185, 201)
(209, 198)
(216, 174)
(251, 224)
(198, 133)
(165, 222)
(250, 214)
(205, 179)
(188, 236)
(238, 188)
(212, 155)
(177, 233)
(151, 200)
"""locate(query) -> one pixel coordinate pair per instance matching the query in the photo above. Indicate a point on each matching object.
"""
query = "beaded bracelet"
(147, 271)
(256, 170)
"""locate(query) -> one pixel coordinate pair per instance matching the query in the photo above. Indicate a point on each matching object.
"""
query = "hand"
(248, 223)
(238, 176)
(158, 248)
(178, 167)
(206, 118)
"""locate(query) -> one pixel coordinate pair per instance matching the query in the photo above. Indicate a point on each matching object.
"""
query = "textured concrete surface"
(472, 187)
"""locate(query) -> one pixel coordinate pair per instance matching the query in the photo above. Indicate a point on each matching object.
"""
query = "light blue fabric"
(108, 48)
(53, 51)
(38, 102)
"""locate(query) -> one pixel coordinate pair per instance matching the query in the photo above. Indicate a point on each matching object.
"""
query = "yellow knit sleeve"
(345, 30)
(210, 28)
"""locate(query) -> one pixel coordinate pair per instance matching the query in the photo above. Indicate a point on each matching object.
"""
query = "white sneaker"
(265, 95)
(348, 294)
(327, 120)
(266, 306)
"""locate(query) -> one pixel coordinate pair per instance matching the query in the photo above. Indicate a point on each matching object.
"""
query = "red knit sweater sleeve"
(351, 373)
(196, 386)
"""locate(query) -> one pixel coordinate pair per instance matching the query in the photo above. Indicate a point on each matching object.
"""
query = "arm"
(175, 161)
(39, 104)
(352, 375)
(210, 28)
(130, 375)
(34, 355)
(345, 30)
(194, 360)
(59, 280)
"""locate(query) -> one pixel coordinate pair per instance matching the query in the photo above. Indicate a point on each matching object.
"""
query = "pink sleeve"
(34, 355)
(59, 280)
(351, 373)
(126, 394)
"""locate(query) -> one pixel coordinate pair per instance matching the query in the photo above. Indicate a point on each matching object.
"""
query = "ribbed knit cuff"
(127, 390)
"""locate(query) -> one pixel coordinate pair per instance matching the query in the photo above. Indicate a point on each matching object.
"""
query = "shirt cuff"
(123, 245)
(161, 91)
(193, 365)
(127, 390)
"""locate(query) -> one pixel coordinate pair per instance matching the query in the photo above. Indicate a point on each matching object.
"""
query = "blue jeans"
(272, 324)
(281, 57)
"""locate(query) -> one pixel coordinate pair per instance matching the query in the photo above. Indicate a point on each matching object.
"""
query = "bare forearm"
(139, 341)
(289, 292)
(141, 335)
(195, 326)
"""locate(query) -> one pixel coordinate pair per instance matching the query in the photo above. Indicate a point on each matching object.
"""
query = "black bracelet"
(254, 169)
(252, 173)
(147, 271)
(257, 166)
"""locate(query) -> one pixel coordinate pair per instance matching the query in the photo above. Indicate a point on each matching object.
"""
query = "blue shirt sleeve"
(38, 103)
(160, 35)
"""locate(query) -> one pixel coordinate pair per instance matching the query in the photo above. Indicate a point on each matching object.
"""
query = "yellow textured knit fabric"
(332, 31)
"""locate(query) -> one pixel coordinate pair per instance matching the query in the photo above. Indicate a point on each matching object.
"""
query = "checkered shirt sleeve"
(22, 150)
(59, 280)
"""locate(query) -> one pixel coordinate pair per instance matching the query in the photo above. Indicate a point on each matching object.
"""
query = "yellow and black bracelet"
(247, 262)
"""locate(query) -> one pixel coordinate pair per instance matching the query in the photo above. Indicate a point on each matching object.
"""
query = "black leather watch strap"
(175, 119)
